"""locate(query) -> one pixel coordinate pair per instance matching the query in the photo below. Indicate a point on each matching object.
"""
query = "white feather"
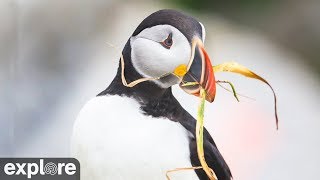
(151, 59)
(113, 140)
(203, 32)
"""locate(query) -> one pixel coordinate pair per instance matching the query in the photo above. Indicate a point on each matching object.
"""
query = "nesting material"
(240, 69)
(199, 137)
(179, 72)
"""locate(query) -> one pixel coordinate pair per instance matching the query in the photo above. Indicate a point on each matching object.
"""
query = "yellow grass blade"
(180, 169)
(199, 137)
(190, 83)
(240, 69)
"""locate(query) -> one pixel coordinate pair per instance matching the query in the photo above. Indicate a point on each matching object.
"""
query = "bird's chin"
(167, 81)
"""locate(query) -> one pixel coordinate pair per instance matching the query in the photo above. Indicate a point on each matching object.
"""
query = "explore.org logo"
(39, 168)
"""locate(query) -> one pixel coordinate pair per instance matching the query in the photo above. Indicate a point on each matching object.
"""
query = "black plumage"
(187, 25)
(160, 102)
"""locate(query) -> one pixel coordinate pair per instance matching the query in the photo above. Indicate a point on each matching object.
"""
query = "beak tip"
(210, 99)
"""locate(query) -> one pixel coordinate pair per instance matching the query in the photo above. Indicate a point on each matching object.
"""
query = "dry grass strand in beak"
(133, 83)
(238, 94)
(199, 137)
(239, 69)
(235, 94)
(180, 169)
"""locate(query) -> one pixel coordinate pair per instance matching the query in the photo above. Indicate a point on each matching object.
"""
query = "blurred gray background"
(55, 55)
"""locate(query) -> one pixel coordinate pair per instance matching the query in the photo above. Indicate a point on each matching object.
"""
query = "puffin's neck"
(154, 100)
(143, 92)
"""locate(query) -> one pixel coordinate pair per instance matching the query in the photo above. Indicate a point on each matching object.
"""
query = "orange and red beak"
(200, 73)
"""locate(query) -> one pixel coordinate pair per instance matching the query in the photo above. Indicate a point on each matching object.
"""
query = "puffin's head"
(166, 40)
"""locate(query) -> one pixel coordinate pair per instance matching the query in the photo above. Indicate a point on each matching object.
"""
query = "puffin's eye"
(167, 43)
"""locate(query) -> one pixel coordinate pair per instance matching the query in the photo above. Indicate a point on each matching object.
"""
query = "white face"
(151, 59)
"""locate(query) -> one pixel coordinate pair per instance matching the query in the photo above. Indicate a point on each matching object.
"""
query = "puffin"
(141, 132)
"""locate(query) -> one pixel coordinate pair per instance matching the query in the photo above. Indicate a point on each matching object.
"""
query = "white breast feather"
(113, 140)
